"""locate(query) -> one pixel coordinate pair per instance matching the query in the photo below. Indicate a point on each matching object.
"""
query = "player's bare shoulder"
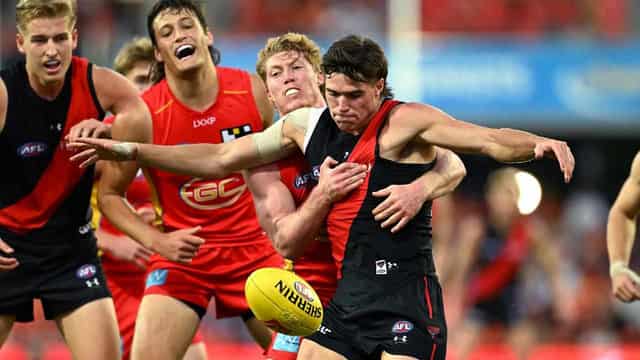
(4, 101)
(117, 95)
(406, 122)
(412, 115)
(112, 88)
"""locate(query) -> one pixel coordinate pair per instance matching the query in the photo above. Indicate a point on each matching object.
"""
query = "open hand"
(91, 150)
(560, 151)
(337, 181)
(399, 207)
(90, 128)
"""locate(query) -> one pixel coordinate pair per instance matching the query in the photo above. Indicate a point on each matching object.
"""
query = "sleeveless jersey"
(41, 189)
(223, 207)
(371, 261)
(316, 265)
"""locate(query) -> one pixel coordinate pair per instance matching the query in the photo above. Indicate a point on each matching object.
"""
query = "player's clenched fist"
(180, 245)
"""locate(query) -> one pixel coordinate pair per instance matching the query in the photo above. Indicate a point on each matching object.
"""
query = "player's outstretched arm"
(506, 145)
(621, 232)
(200, 160)
(403, 202)
(291, 229)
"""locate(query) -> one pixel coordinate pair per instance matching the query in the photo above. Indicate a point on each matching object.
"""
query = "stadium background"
(565, 68)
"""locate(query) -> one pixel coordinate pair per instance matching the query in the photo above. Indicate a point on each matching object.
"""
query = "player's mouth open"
(52, 66)
(291, 92)
(184, 51)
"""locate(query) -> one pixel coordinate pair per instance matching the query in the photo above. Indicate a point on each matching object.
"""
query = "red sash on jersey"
(59, 179)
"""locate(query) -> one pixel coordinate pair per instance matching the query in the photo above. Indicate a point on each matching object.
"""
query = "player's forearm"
(510, 146)
(126, 220)
(198, 160)
(293, 232)
(621, 232)
(445, 176)
(105, 240)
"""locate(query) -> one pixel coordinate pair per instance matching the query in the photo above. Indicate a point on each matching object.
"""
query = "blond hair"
(27, 10)
(288, 42)
(134, 51)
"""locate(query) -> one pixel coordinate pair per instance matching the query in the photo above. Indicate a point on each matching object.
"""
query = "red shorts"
(218, 272)
(127, 289)
(283, 347)
(317, 267)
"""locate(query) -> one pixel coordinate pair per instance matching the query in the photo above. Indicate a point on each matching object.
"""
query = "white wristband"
(620, 267)
(127, 150)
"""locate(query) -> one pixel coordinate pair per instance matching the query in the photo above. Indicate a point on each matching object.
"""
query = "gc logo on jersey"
(231, 134)
(212, 194)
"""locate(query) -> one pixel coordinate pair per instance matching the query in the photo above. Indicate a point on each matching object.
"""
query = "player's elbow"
(620, 214)
(458, 173)
(106, 200)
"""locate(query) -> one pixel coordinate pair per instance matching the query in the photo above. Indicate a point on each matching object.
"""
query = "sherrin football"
(283, 301)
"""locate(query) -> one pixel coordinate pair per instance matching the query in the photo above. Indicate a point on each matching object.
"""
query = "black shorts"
(62, 269)
(409, 322)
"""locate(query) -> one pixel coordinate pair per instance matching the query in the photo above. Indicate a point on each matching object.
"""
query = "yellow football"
(284, 301)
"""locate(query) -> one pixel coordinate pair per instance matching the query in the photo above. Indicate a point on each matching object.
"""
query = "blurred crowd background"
(564, 68)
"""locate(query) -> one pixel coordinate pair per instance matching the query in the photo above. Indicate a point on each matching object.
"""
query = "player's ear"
(20, 42)
(74, 38)
(156, 54)
(379, 87)
(270, 96)
(209, 38)
(320, 78)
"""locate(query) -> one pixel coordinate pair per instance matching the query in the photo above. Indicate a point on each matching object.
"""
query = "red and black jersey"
(371, 261)
(223, 207)
(316, 265)
(41, 188)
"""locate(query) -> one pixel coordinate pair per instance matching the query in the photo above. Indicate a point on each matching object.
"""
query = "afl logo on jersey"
(32, 149)
(86, 271)
(212, 194)
(305, 179)
(402, 327)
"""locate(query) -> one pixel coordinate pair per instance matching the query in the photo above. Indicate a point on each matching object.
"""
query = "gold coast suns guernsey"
(223, 207)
